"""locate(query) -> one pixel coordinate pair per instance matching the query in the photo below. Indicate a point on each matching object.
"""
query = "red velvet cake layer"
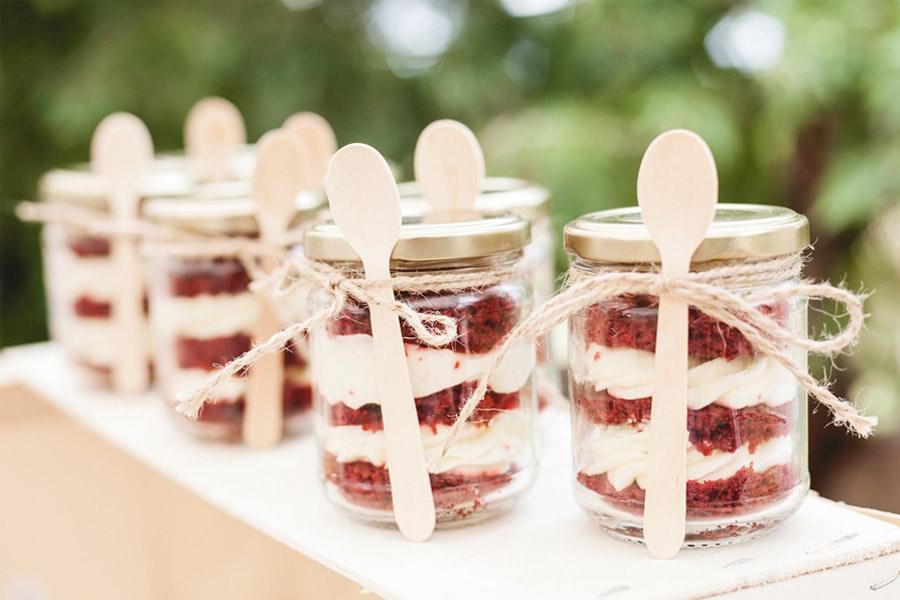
(365, 484)
(88, 307)
(711, 428)
(86, 246)
(440, 408)
(297, 399)
(630, 322)
(483, 318)
(192, 277)
(209, 353)
(743, 492)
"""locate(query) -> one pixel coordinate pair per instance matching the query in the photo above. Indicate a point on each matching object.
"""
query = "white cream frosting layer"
(230, 390)
(91, 339)
(621, 452)
(737, 383)
(343, 368)
(205, 315)
(91, 276)
(493, 447)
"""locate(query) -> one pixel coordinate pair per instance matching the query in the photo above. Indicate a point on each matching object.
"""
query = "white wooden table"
(545, 548)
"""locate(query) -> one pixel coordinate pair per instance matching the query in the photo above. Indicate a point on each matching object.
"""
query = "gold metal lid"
(78, 184)
(498, 195)
(169, 175)
(221, 208)
(738, 231)
(437, 237)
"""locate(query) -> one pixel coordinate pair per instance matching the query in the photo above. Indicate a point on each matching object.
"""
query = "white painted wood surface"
(544, 548)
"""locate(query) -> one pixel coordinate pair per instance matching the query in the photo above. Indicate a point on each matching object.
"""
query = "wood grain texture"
(276, 183)
(213, 132)
(365, 206)
(318, 137)
(677, 192)
(121, 152)
(449, 165)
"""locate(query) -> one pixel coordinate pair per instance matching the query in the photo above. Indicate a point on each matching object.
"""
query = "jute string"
(162, 240)
(93, 221)
(730, 294)
(341, 284)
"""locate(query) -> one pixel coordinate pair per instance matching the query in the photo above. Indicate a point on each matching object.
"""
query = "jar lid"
(436, 237)
(738, 231)
(222, 208)
(170, 174)
(242, 161)
(78, 184)
(498, 195)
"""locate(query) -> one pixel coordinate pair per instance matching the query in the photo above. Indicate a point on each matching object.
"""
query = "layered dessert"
(203, 317)
(492, 458)
(743, 454)
(81, 284)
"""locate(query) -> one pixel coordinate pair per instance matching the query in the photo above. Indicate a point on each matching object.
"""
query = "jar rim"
(169, 175)
(432, 238)
(738, 231)
(498, 195)
(224, 207)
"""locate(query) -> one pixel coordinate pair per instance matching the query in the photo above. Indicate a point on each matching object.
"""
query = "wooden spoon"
(318, 136)
(365, 206)
(121, 151)
(677, 190)
(449, 165)
(276, 183)
(213, 131)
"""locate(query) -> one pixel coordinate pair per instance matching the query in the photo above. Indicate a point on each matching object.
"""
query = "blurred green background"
(799, 101)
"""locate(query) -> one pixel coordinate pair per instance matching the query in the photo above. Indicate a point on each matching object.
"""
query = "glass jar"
(531, 202)
(79, 274)
(747, 450)
(202, 312)
(493, 459)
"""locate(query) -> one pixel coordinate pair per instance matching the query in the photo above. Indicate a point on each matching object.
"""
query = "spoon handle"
(262, 423)
(665, 503)
(131, 373)
(410, 485)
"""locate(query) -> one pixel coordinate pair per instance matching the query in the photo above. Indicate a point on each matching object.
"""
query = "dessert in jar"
(202, 311)
(78, 268)
(531, 202)
(746, 455)
(492, 461)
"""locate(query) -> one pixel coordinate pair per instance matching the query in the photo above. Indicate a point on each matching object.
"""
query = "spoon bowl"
(364, 201)
(277, 179)
(449, 165)
(676, 193)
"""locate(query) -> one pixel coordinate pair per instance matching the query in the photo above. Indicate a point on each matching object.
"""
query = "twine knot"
(296, 274)
(729, 293)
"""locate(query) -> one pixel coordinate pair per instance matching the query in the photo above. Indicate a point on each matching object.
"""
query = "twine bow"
(433, 329)
(729, 294)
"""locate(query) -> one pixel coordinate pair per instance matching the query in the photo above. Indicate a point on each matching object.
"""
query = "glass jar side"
(80, 280)
(746, 456)
(491, 462)
(539, 259)
(202, 316)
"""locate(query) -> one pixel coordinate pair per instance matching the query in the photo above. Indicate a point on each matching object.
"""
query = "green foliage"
(569, 99)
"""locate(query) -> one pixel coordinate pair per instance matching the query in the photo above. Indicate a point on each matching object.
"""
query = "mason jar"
(79, 274)
(747, 451)
(203, 313)
(493, 460)
(531, 202)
